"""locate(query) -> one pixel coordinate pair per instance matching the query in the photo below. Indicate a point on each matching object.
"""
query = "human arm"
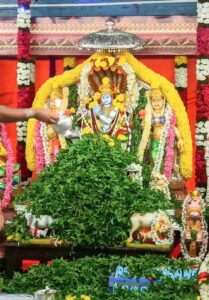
(9, 115)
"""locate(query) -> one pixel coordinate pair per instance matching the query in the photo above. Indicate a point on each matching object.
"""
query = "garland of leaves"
(79, 186)
(90, 275)
(137, 122)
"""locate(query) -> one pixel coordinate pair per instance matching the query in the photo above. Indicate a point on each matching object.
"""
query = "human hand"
(46, 116)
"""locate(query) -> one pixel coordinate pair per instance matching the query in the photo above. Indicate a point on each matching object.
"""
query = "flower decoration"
(202, 70)
(82, 297)
(180, 60)
(9, 166)
(202, 41)
(21, 131)
(25, 77)
(203, 102)
(142, 114)
(70, 62)
(203, 12)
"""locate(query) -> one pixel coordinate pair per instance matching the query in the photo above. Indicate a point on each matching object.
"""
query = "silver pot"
(64, 124)
(46, 294)
(64, 127)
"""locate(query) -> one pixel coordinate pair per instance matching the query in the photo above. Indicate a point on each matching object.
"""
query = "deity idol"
(104, 113)
(161, 143)
(107, 114)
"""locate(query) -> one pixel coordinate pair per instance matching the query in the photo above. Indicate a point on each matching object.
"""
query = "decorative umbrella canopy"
(111, 39)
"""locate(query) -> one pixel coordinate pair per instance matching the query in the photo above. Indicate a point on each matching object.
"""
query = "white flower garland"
(169, 231)
(202, 71)
(207, 169)
(25, 73)
(21, 131)
(181, 75)
(203, 249)
(43, 133)
(23, 18)
(203, 13)
(132, 86)
(84, 88)
(202, 129)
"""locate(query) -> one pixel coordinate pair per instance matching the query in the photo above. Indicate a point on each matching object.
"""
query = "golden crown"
(56, 93)
(156, 93)
(105, 87)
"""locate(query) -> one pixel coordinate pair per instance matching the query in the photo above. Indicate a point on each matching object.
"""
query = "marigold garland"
(144, 74)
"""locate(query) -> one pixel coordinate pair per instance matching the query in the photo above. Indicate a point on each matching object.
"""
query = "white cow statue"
(38, 226)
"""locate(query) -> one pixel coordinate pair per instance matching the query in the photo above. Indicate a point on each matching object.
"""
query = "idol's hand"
(180, 145)
(97, 109)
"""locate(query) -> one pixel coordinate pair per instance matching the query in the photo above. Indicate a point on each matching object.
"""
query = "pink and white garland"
(39, 149)
(170, 148)
(9, 166)
(46, 152)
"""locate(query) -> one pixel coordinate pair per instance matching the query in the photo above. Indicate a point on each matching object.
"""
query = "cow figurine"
(39, 227)
(151, 228)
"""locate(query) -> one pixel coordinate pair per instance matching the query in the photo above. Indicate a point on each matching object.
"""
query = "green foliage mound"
(90, 275)
(89, 196)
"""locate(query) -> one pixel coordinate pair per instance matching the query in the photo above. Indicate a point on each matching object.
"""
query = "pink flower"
(201, 177)
(203, 101)
(25, 97)
(39, 149)
(202, 41)
(9, 166)
(142, 114)
(23, 42)
(168, 165)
